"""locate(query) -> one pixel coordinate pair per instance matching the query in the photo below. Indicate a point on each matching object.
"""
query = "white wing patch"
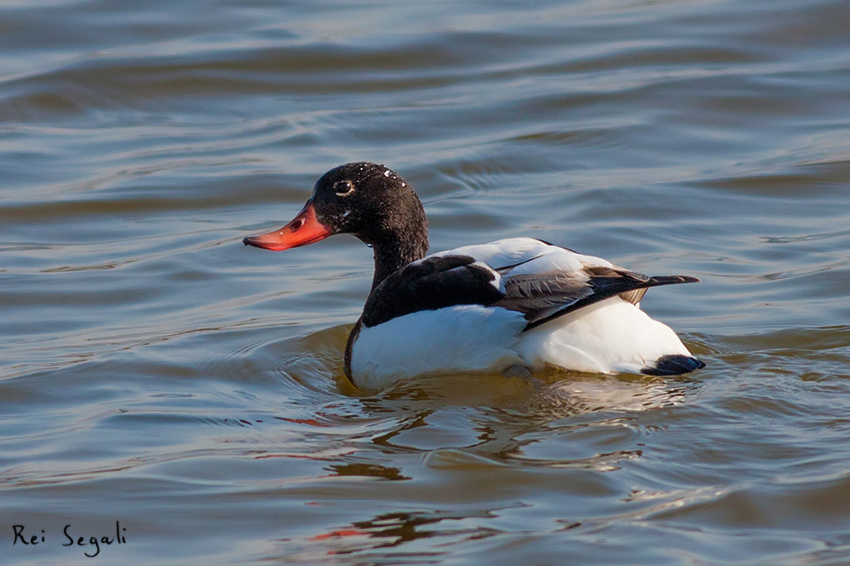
(528, 255)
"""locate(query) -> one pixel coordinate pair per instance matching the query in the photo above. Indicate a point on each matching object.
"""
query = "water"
(157, 373)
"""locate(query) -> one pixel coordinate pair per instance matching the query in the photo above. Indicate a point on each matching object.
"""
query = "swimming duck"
(518, 304)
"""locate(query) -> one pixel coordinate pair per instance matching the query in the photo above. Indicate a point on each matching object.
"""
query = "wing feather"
(544, 297)
(541, 281)
(432, 283)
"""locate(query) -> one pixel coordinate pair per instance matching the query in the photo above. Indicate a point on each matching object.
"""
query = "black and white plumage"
(488, 307)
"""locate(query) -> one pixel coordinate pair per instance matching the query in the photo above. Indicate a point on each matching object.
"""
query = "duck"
(514, 306)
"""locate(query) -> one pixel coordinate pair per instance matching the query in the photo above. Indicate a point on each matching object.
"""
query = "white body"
(610, 336)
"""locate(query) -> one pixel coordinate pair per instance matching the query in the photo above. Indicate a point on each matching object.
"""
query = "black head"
(367, 200)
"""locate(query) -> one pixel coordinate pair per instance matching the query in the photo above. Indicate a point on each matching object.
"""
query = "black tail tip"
(673, 279)
(674, 364)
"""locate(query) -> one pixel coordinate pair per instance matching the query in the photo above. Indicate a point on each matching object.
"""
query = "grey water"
(169, 396)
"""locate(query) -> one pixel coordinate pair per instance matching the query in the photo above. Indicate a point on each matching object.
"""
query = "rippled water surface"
(155, 372)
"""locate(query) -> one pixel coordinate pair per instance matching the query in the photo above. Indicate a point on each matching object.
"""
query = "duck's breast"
(457, 339)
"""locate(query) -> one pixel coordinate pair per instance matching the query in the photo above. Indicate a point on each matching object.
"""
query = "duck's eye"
(343, 188)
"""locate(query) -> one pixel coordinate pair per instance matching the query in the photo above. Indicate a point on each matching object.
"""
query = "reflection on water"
(616, 395)
(156, 372)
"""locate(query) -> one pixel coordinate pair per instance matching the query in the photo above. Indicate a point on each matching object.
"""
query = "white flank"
(608, 337)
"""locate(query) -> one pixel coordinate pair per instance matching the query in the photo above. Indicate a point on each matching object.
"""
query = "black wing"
(545, 296)
(444, 281)
(429, 284)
